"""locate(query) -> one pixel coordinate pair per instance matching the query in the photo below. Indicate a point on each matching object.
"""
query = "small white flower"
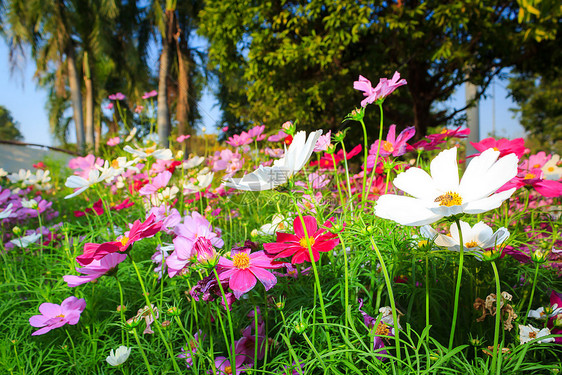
(476, 238)
(131, 135)
(528, 333)
(32, 203)
(278, 223)
(80, 183)
(143, 153)
(203, 180)
(21, 176)
(540, 314)
(442, 194)
(119, 356)
(25, 241)
(3, 173)
(551, 170)
(193, 162)
(166, 195)
(267, 178)
(6, 212)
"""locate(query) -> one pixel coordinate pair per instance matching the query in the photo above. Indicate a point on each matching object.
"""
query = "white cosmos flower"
(22, 175)
(119, 356)
(528, 333)
(25, 241)
(551, 170)
(3, 173)
(278, 223)
(441, 194)
(266, 178)
(6, 212)
(203, 180)
(80, 183)
(32, 203)
(121, 164)
(193, 162)
(476, 238)
(540, 314)
(131, 135)
(143, 153)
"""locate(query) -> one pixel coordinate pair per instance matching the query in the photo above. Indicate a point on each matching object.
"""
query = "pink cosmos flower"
(193, 234)
(319, 239)
(55, 316)
(139, 109)
(245, 347)
(257, 132)
(503, 145)
(393, 146)
(158, 182)
(83, 165)
(280, 136)
(117, 96)
(274, 152)
(113, 141)
(224, 129)
(244, 268)
(449, 133)
(316, 181)
(182, 138)
(95, 270)
(150, 94)
(138, 231)
(323, 142)
(534, 178)
(223, 366)
(239, 139)
(97, 208)
(109, 106)
(191, 349)
(384, 88)
(425, 145)
(536, 161)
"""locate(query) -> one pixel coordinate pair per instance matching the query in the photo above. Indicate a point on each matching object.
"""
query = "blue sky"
(26, 102)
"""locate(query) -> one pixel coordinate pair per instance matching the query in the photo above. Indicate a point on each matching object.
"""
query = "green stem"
(498, 316)
(347, 176)
(426, 290)
(157, 324)
(227, 307)
(532, 292)
(337, 179)
(146, 363)
(458, 286)
(346, 284)
(378, 149)
(365, 156)
(121, 308)
(391, 297)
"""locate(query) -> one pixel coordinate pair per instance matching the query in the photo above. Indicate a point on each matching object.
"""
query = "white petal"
(404, 210)
(482, 233)
(418, 183)
(465, 228)
(487, 204)
(74, 182)
(497, 238)
(445, 171)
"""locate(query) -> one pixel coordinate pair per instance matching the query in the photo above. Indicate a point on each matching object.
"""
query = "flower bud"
(540, 255)
(17, 230)
(174, 311)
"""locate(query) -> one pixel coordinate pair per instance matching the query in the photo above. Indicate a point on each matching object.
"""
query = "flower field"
(287, 252)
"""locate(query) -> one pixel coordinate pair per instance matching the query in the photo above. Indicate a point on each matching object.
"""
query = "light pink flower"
(95, 270)
(239, 139)
(224, 129)
(55, 316)
(244, 268)
(113, 141)
(158, 182)
(150, 94)
(280, 136)
(323, 142)
(182, 138)
(139, 109)
(117, 96)
(384, 88)
(257, 132)
(395, 146)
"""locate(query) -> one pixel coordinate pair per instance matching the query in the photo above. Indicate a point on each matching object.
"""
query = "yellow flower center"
(496, 149)
(241, 261)
(281, 226)
(532, 335)
(550, 169)
(60, 316)
(387, 146)
(449, 199)
(383, 329)
(228, 370)
(115, 164)
(471, 244)
(529, 176)
(306, 242)
(422, 243)
(536, 166)
(124, 240)
(150, 150)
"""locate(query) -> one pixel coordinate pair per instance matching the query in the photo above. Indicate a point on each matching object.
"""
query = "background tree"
(299, 59)
(8, 126)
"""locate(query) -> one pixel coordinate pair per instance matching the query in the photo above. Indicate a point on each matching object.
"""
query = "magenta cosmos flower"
(381, 91)
(95, 270)
(239, 139)
(320, 240)
(224, 367)
(395, 146)
(150, 94)
(117, 96)
(503, 145)
(242, 271)
(534, 178)
(55, 316)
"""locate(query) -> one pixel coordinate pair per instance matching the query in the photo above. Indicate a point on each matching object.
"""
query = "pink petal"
(267, 278)
(310, 224)
(50, 309)
(241, 282)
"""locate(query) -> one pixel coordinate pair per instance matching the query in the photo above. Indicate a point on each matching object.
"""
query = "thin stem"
(347, 176)
(532, 293)
(146, 363)
(227, 307)
(378, 149)
(337, 179)
(391, 297)
(365, 156)
(121, 308)
(346, 283)
(426, 290)
(157, 324)
(458, 286)
(498, 316)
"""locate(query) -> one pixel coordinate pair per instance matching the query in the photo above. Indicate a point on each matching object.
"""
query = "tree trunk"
(163, 111)
(98, 131)
(182, 106)
(76, 98)
(89, 120)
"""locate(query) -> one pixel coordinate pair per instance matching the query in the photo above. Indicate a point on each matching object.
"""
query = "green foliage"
(8, 126)
(540, 108)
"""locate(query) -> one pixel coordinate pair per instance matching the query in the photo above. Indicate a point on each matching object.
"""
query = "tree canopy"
(9, 128)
